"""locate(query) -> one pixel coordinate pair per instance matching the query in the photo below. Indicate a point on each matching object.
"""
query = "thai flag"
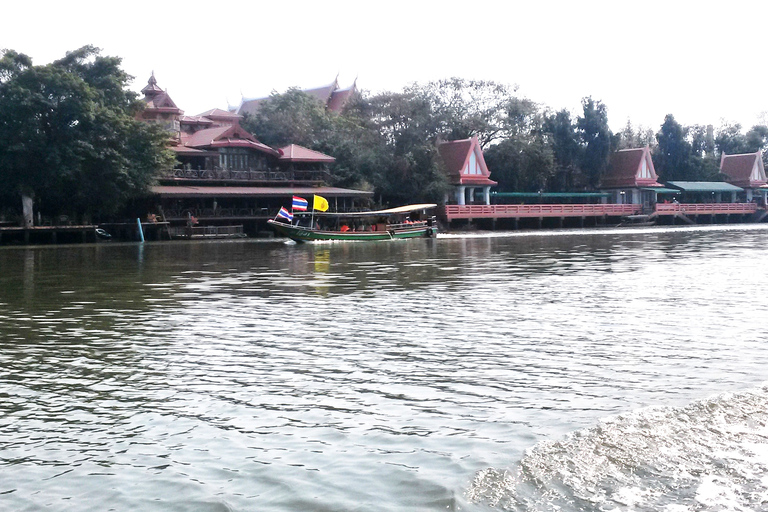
(299, 204)
(285, 214)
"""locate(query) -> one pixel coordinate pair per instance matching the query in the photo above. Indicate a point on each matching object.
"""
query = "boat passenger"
(344, 228)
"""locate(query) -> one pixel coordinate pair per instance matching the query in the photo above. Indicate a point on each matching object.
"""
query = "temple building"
(225, 178)
(465, 166)
(332, 96)
(748, 172)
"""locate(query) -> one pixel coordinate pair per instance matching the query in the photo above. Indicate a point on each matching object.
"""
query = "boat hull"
(303, 234)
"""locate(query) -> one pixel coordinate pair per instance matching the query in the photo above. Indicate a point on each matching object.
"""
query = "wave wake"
(709, 455)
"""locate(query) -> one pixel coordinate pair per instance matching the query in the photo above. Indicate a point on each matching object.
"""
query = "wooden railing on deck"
(705, 208)
(482, 211)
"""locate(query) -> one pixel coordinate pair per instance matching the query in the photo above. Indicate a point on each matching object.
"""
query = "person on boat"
(344, 228)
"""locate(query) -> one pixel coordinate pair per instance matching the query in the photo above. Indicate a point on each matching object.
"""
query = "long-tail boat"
(411, 221)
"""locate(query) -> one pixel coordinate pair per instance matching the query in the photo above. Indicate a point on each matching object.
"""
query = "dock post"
(26, 236)
(516, 222)
(541, 222)
(581, 222)
(141, 231)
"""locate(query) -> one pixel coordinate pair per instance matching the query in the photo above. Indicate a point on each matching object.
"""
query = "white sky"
(702, 61)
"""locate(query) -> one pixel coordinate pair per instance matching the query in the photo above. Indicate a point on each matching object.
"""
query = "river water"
(570, 370)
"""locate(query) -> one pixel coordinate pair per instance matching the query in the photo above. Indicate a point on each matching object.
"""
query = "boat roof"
(390, 211)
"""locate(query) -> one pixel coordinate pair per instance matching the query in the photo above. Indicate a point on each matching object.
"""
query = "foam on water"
(709, 455)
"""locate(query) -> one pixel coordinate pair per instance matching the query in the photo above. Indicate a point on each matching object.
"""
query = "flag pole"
(312, 218)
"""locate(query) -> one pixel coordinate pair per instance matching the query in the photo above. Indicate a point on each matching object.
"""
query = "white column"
(460, 191)
(487, 194)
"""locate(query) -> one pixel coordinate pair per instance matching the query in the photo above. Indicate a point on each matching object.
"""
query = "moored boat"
(411, 221)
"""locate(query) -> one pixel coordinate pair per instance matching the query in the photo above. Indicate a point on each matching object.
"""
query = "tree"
(730, 140)
(69, 136)
(672, 154)
(293, 117)
(595, 138)
(565, 148)
(466, 108)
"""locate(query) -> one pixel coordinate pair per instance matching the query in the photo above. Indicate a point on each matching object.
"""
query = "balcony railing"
(247, 175)
(220, 213)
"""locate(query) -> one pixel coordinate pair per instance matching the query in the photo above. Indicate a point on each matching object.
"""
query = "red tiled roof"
(194, 120)
(624, 168)
(161, 102)
(225, 136)
(183, 150)
(203, 191)
(339, 98)
(738, 169)
(323, 93)
(455, 155)
(250, 106)
(330, 95)
(296, 153)
(217, 113)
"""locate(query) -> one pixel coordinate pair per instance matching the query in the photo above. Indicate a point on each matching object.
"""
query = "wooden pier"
(48, 234)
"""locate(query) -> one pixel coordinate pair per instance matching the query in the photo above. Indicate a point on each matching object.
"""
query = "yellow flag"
(320, 203)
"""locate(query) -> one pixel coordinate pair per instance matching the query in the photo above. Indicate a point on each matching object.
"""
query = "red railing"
(498, 211)
(705, 208)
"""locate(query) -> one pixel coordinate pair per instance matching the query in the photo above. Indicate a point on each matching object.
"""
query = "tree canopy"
(69, 136)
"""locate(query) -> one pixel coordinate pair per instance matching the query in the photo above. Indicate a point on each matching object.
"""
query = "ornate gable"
(632, 168)
(464, 162)
(744, 170)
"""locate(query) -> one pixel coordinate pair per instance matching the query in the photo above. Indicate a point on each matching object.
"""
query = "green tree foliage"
(69, 136)
(595, 136)
(671, 158)
(465, 108)
(566, 150)
(293, 117)
(730, 141)
(524, 160)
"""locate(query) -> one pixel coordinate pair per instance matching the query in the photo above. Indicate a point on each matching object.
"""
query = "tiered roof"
(158, 100)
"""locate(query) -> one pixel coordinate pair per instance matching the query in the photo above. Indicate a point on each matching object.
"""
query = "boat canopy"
(390, 211)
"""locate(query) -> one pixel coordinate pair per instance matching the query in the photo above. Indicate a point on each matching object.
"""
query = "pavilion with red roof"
(748, 172)
(465, 166)
(631, 178)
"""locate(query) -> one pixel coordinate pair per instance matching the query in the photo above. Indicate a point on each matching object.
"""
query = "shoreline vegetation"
(72, 145)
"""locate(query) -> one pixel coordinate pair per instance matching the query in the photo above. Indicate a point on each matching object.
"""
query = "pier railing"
(497, 211)
(205, 231)
(705, 208)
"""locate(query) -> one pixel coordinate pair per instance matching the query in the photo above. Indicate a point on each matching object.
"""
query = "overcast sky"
(703, 62)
